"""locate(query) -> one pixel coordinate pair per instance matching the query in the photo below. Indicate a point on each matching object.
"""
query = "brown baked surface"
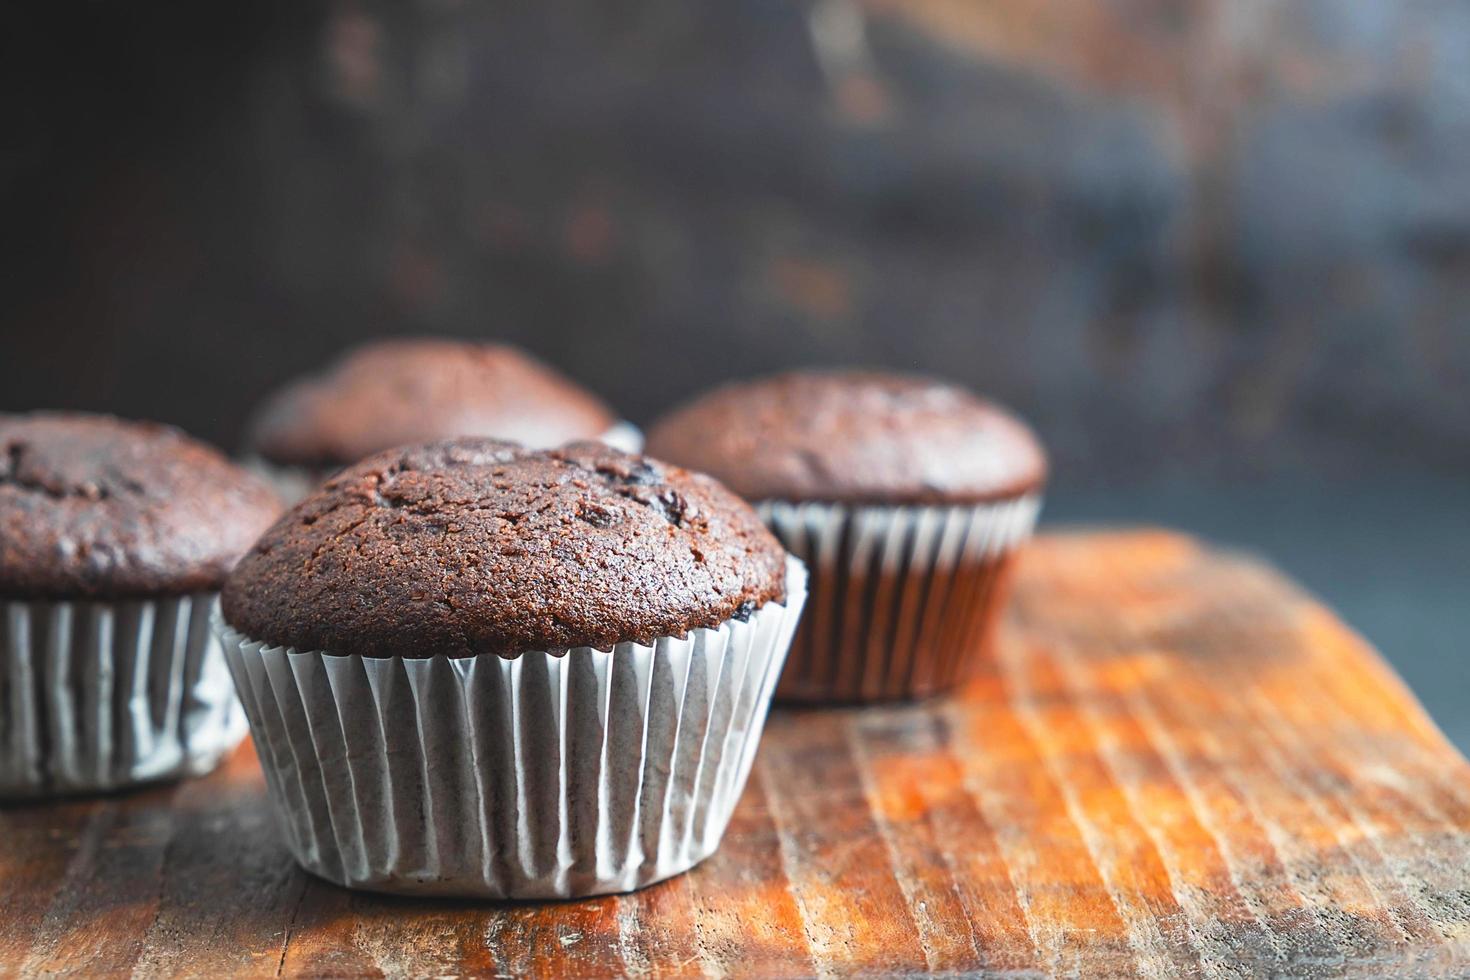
(93, 506)
(397, 392)
(853, 436)
(477, 545)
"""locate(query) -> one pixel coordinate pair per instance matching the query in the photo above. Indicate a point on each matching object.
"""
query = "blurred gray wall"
(1212, 235)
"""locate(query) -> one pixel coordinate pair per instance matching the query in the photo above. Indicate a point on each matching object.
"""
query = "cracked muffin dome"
(853, 437)
(477, 545)
(395, 392)
(98, 507)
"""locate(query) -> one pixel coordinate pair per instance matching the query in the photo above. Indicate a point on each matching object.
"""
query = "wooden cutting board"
(1179, 765)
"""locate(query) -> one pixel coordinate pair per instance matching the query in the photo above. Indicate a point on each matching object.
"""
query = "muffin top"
(853, 437)
(97, 507)
(477, 545)
(400, 391)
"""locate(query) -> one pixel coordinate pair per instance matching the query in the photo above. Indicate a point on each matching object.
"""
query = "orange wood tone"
(1178, 765)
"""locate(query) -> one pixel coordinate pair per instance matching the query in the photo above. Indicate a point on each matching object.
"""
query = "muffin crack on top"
(401, 391)
(27, 470)
(853, 437)
(95, 507)
(477, 545)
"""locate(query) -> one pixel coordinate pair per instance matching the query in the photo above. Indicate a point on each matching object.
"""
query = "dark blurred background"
(1218, 251)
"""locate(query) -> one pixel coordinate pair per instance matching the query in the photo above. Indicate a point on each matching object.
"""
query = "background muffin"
(906, 496)
(396, 392)
(114, 539)
(508, 672)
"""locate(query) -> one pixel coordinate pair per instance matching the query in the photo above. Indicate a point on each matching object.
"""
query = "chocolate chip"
(597, 515)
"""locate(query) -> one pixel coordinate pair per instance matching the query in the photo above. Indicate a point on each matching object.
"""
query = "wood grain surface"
(1178, 766)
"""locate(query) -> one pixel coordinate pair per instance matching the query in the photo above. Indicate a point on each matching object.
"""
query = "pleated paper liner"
(539, 776)
(98, 696)
(903, 598)
(293, 483)
(625, 436)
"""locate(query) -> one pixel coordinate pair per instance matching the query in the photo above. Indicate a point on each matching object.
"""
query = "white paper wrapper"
(625, 436)
(293, 483)
(902, 597)
(97, 696)
(538, 776)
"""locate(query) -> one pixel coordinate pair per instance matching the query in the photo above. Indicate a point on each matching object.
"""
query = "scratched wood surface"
(1179, 765)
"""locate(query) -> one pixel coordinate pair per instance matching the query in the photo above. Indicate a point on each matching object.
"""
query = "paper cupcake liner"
(293, 483)
(903, 598)
(101, 695)
(538, 776)
(625, 436)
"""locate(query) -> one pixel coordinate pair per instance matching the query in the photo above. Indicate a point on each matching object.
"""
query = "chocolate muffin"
(394, 392)
(114, 539)
(522, 673)
(908, 498)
